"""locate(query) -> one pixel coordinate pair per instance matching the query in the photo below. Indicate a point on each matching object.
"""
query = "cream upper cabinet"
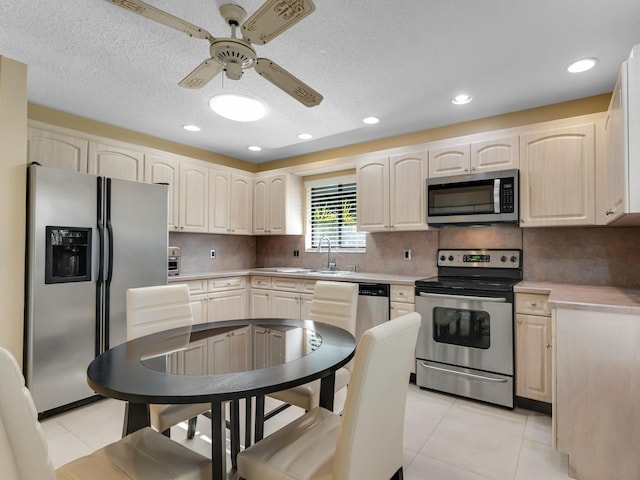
(165, 170)
(230, 203)
(116, 162)
(277, 205)
(622, 128)
(449, 160)
(557, 177)
(473, 156)
(52, 149)
(194, 187)
(372, 179)
(390, 192)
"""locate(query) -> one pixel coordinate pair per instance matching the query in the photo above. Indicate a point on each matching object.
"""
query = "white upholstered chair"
(366, 442)
(151, 310)
(143, 455)
(335, 303)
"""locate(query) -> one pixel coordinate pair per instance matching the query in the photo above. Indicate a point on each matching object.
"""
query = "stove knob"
(503, 258)
(514, 259)
(451, 258)
(442, 258)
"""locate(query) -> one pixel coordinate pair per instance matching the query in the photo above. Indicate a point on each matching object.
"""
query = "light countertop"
(586, 297)
(361, 277)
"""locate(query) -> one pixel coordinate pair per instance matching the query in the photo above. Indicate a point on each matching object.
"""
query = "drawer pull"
(548, 345)
(534, 304)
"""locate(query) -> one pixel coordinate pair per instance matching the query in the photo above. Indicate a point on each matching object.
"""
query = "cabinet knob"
(548, 345)
(534, 304)
(522, 220)
(401, 294)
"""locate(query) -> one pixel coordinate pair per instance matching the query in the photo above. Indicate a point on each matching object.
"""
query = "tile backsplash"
(589, 255)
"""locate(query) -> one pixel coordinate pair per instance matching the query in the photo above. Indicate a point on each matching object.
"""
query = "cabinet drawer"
(231, 283)
(261, 282)
(197, 286)
(403, 293)
(286, 284)
(307, 286)
(533, 304)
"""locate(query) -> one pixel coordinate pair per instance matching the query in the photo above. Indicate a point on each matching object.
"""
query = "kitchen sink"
(331, 272)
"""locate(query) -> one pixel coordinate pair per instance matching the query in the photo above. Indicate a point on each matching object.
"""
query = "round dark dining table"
(219, 362)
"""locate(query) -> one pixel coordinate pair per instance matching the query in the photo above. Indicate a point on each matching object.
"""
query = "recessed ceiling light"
(191, 128)
(305, 136)
(254, 148)
(370, 120)
(240, 108)
(582, 65)
(461, 99)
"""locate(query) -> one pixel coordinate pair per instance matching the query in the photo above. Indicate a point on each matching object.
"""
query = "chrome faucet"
(331, 265)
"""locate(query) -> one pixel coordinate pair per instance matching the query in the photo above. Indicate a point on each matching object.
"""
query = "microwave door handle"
(496, 195)
(467, 298)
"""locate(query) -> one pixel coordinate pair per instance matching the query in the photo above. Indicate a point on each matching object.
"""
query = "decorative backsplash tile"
(592, 256)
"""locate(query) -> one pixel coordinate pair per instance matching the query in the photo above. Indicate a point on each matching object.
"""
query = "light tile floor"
(445, 438)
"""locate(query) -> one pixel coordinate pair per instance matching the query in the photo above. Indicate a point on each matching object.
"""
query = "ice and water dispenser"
(68, 255)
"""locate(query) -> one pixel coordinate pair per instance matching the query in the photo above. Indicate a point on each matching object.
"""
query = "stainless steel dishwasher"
(373, 306)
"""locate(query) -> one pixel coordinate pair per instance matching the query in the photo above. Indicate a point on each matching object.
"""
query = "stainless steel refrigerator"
(89, 238)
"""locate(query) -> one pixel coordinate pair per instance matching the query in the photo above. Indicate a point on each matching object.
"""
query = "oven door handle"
(463, 297)
(464, 374)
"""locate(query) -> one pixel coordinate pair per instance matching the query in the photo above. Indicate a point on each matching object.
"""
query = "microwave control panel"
(507, 189)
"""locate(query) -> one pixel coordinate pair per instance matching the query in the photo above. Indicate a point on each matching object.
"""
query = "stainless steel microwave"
(475, 199)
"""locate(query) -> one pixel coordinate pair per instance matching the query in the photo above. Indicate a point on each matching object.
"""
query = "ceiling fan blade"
(202, 74)
(287, 82)
(160, 16)
(274, 17)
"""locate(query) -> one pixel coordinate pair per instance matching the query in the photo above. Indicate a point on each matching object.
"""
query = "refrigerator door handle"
(100, 278)
(107, 286)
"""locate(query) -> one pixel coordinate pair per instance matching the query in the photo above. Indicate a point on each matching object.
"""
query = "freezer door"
(60, 320)
(137, 242)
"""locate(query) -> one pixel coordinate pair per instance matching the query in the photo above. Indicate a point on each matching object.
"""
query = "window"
(331, 212)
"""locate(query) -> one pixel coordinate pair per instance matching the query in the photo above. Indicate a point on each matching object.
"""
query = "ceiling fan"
(233, 54)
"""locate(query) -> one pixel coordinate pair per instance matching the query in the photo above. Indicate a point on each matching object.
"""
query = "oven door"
(466, 331)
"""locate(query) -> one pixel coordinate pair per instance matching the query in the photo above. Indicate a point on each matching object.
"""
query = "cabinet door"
(241, 205)
(407, 175)
(229, 305)
(219, 208)
(449, 160)
(194, 188)
(372, 179)
(533, 357)
(613, 128)
(218, 355)
(260, 200)
(397, 309)
(493, 155)
(305, 305)
(285, 304)
(56, 150)
(276, 205)
(261, 347)
(259, 303)
(165, 170)
(557, 185)
(195, 358)
(116, 162)
(240, 350)
(199, 308)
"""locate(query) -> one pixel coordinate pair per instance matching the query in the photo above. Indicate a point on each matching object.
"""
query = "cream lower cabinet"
(533, 347)
(52, 149)
(402, 301)
(230, 351)
(280, 297)
(557, 176)
(391, 193)
(218, 299)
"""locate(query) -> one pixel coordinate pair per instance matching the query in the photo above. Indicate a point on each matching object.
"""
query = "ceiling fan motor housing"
(236, 56)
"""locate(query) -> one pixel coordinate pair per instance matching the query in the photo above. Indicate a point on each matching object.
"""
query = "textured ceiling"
(399, 60)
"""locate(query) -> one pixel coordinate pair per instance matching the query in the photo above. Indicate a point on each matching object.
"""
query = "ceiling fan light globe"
(234, 71)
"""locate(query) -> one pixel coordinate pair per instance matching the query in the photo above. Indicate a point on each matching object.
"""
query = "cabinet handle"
(534, 304)
(401, 294)
(548, 345)
(610, 212)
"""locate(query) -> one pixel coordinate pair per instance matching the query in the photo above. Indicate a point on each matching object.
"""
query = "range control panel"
(480, 258)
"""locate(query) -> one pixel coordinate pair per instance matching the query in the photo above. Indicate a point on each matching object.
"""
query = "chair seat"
(307, 396)
(303, 450)
(166, 416)
(144, 454)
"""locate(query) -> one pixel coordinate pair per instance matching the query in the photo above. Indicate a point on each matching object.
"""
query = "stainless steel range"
(465, 344)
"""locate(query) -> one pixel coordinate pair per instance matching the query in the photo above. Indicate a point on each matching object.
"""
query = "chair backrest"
(370, 442)
(23, 449)
(335, 303)
(155, 309)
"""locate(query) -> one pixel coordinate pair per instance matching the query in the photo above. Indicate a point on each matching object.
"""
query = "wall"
(233, 252)
(593, 256)
(13, 158)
